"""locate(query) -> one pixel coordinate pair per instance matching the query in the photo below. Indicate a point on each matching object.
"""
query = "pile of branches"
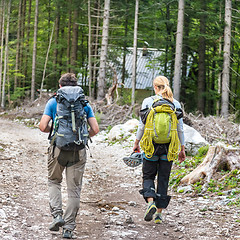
(111, 115)
(214, 129)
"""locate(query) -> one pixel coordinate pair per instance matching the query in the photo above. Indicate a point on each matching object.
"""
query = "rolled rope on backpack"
(146, 141)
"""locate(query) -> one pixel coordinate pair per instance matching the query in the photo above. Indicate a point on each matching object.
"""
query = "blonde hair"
(162, 84)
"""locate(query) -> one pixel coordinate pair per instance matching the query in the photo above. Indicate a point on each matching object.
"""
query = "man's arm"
(44, 124)
(94, 129)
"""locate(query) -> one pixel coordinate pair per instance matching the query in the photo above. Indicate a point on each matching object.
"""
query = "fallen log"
(216, 157)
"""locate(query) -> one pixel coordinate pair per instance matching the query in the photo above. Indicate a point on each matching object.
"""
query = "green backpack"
(160, 126)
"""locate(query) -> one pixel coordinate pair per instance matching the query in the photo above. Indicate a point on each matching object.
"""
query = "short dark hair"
(68, 79)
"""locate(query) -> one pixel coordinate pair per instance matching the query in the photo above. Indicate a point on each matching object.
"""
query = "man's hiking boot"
(67, 234)
(151, 209)
(57, 222)
(158, 218)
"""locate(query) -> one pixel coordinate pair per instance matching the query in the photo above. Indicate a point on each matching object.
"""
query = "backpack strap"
(73, 118)
(50, 133)
(51, 129)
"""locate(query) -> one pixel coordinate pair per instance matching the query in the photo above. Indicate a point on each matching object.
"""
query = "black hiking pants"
(161, 169)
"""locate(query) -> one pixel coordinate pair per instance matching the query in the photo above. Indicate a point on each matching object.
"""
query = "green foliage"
(202, 151)
(185, 168)
(121, 140)
(125, 98)
(108, 128)
(176, 176)
(19, 93)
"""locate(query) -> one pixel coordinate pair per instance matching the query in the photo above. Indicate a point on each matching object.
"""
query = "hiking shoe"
(134, 160)
(67, 234)
(158, 218)
(57, 222)
(151, 209)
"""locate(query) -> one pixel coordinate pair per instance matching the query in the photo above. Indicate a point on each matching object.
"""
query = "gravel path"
(111, 207)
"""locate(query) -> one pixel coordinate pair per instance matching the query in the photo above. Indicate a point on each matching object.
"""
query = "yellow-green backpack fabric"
(161, 127)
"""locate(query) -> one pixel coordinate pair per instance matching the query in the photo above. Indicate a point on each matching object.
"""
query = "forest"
(199, 41)
(197, 47)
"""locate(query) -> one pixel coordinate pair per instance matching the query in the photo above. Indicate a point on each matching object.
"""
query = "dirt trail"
(111, 207)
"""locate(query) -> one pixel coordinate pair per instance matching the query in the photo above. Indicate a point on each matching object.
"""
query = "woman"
(158, 164)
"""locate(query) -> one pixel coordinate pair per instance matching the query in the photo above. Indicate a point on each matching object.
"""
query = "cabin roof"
(148, 67)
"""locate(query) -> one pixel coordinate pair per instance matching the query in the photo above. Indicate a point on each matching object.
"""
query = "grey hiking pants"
(74, 165)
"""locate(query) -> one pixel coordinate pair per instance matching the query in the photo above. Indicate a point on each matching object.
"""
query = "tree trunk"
(185, 58)
(61, 50)
(201, 61)
(226, 58)
(56, 38)
(74, 47)
(104, 48)
(34, 52)
(219, 79)
(18, 45)
(69, 36)
(211, 104)
(95, 46)
(8, 86)
(178, 54)
(134, 66)
(168, 37)
(2, 41)
(27, 41)
(1, 18)
(124, 47)
(89, 50)
(22, 37)
(6, 56)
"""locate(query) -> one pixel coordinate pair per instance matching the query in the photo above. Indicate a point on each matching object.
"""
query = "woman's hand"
(136, 147)
(182, 155)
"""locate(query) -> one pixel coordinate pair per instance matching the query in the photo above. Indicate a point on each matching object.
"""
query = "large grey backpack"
(70, 131)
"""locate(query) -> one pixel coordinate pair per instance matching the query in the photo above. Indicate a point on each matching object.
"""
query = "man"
(72, 161)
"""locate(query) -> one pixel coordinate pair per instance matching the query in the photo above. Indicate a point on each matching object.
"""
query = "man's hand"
(182, 155)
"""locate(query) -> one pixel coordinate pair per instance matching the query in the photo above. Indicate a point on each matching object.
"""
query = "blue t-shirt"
(51, 109)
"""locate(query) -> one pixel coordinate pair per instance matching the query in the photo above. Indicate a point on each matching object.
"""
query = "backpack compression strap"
(73, 118)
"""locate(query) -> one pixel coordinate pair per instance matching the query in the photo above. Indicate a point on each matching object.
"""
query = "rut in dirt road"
(111, 207)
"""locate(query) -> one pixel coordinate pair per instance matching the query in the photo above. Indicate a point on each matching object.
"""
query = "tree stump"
(216, 157)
